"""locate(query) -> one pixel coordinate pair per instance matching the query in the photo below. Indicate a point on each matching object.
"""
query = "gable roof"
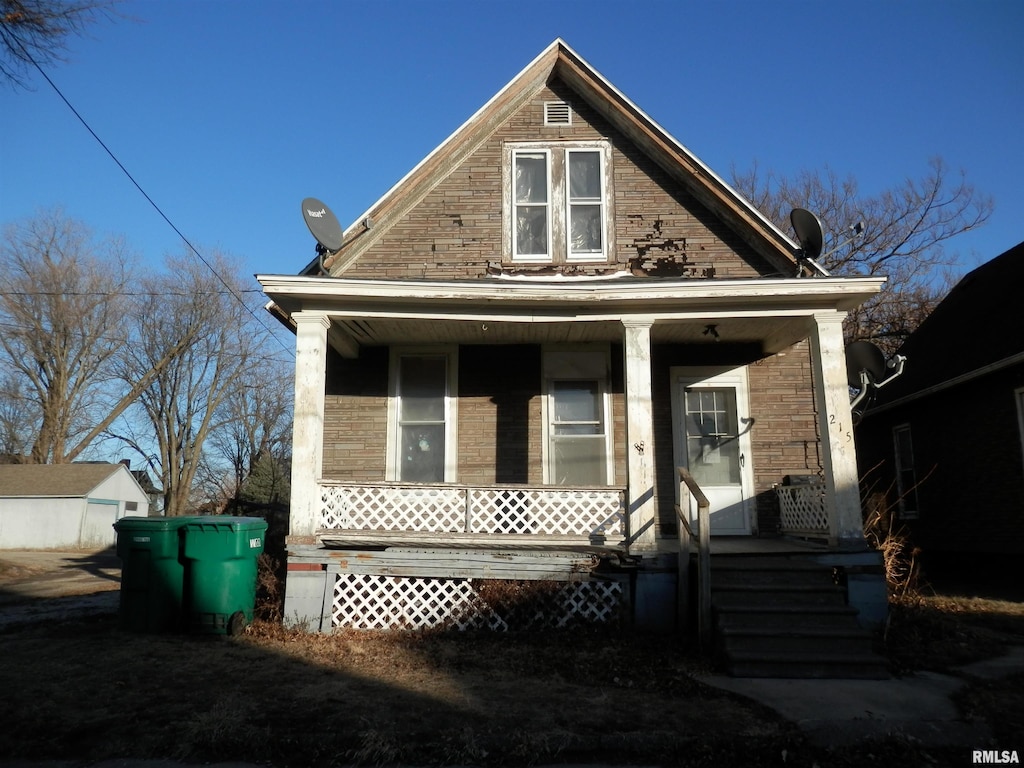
(561, 61)
(56, 480)
(969, 332)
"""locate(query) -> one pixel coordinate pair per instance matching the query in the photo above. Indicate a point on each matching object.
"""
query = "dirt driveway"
(37, 584)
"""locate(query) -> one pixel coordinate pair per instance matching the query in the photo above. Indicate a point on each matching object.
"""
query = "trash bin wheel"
(237, 623)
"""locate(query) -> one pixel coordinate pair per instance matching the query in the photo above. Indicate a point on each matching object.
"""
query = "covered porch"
(449, 524)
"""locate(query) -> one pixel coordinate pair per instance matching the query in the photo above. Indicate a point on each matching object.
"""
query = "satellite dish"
(808, 232)
(864, 356)
(323, 224)
(866, 369)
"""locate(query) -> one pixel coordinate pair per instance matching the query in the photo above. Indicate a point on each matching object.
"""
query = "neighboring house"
(154, 494)
(943, 443)
(52, 506)
(502, 366)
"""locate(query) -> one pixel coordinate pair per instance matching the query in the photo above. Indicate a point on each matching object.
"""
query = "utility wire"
(151, 201)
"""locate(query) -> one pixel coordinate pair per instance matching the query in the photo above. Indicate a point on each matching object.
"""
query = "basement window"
(557, 202)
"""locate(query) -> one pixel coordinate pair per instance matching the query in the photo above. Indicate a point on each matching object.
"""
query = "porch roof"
(770, 312)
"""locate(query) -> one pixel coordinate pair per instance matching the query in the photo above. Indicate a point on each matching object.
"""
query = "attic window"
(557, 113)
(556, 202)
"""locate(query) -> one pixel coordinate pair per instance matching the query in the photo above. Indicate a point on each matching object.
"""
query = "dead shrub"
(900, 557)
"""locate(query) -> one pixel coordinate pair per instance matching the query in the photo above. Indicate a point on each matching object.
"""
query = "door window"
(712, 440)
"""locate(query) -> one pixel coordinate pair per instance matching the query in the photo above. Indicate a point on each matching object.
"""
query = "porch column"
(639, 436)
(308, 430)
(835, 425)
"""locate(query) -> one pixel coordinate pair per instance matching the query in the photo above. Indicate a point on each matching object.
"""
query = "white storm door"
(713, 441)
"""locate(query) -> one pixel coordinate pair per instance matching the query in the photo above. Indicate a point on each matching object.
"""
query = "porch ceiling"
(772, 334)
(772, 313)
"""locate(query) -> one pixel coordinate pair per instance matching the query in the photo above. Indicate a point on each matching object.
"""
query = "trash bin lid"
(227, 523)
(151, 523)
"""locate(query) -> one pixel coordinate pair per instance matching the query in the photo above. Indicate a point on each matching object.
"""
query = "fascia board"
(841, 294)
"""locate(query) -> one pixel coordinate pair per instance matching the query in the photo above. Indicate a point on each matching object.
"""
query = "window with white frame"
(906, 475)
(577, 425)
(422, 417)
(1019, 395)
(557, 201)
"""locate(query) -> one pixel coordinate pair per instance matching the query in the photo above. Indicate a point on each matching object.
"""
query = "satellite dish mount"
(324, 226)
(811, 236)
(868, 371)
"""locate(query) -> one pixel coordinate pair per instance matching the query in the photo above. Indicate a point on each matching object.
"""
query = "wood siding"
(455, 231)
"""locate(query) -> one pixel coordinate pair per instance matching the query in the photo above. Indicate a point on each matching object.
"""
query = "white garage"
(57, 506)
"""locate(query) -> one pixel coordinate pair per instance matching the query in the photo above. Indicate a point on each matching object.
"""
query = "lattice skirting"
(366, 601)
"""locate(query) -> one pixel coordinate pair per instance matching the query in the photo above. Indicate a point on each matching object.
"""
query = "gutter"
(1006, 362)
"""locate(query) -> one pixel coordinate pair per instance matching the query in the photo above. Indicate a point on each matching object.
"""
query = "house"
(53, 506)
(154, 494)
(502, 366)
(943, 444)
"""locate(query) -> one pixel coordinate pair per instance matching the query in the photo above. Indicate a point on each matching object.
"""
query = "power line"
(149, 199)
(129, 293)
(122, 340)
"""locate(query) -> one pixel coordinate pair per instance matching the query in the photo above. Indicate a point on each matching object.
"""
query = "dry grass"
(86, 691)
(939, 632)
(89, 691)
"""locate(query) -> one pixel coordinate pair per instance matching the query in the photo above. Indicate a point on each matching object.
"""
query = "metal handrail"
(688, 486)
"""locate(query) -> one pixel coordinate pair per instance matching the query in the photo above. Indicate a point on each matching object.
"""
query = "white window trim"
(451, 442)
(558, 203)
(552, 204)
(601, 373)
(901, 492)
(605, 156)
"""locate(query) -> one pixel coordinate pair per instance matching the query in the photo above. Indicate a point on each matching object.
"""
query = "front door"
(712, 436)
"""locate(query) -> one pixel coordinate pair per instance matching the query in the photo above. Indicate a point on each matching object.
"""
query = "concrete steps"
(785, 617)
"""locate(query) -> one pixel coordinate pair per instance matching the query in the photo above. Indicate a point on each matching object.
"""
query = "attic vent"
(557, 113)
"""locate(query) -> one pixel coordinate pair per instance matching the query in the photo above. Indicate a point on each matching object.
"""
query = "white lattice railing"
(500, 510)
(803, 509)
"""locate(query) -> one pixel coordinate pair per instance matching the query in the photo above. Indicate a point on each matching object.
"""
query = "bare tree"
(256, 431)
(18, 418)
(36, 31)
(190, 310)
(61, 305)
(906, 230)
(66, 315)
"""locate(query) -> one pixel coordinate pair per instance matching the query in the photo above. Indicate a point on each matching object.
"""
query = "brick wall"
(356, 416)
(784, 437)
(499, 414)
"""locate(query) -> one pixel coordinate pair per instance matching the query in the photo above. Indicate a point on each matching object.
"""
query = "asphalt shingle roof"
(52, 479)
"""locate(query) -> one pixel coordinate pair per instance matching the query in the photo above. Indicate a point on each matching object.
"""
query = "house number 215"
(832, 421)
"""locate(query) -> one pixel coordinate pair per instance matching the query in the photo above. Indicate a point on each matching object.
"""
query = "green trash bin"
(152, 573)
(220, 578)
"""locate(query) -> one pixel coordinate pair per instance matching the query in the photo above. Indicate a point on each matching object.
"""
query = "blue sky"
(229, 112)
